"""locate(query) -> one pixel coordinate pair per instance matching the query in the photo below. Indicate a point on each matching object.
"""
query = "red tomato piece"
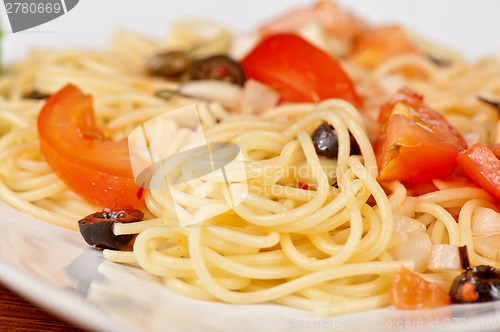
(377, 45)
(304, 186)
(495, 148)
(330, 17)
(298, 70)
(409, 291)
(416, 144)
(481, 165)
(96, 169)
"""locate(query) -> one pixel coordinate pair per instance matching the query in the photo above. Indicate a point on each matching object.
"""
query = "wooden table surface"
(17, 314)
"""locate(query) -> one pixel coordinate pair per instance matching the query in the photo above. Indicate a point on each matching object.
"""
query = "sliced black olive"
(494, 103)
(167, 94)
(97, 228)
(441, 62)
(478, 284)
(35, 94)
(218, 67)
(326, 142)
(170, 64)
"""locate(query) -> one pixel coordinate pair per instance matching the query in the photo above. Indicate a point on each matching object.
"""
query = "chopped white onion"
(488, 246)
(444, 257)
(407, 208)
(416, 248)
(228, 94)
(407, 224)
(472, 138)
(451, 183)
(242, 44)
(392, 83)
(257, 97)
(313, 33)
(485, 222)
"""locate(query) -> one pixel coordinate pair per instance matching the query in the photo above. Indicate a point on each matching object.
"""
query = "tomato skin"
(481, 165)
(495, 148)
(418, 146)
(411, 292)
(96, 169)
(300, 71)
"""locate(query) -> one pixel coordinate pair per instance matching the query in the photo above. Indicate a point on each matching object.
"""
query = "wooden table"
(17, 314)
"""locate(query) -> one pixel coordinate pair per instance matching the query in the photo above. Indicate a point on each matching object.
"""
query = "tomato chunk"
(481, 165)
(416, 144)
(495, 148)
(298, 70)
(409, 291)
(330, 17)
(96, 169)
(379, 44)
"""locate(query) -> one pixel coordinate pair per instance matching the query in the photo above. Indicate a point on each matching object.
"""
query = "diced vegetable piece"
(257, 97)
(485, 221)
(416, 144)
(444, 257)
(482, 166)
(495, 148)
(409, 291)
(416, 248)
(487, 246)
(299, 71)
(96, 169)
(407, 224)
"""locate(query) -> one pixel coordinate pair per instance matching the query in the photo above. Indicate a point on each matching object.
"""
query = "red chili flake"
(303, 186)
(140, 192)
(221, 72)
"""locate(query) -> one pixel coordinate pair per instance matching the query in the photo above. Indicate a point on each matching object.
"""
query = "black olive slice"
(35, 94)
(97, 228)
(168, 94)
(218, 67)
(478, 284)
(440, 61)
(326, 142)
(169, 64)
(491, 102)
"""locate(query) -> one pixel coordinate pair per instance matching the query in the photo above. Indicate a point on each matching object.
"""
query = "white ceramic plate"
(56, 269)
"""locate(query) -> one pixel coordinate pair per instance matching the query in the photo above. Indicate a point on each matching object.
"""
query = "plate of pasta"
(315, 166)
